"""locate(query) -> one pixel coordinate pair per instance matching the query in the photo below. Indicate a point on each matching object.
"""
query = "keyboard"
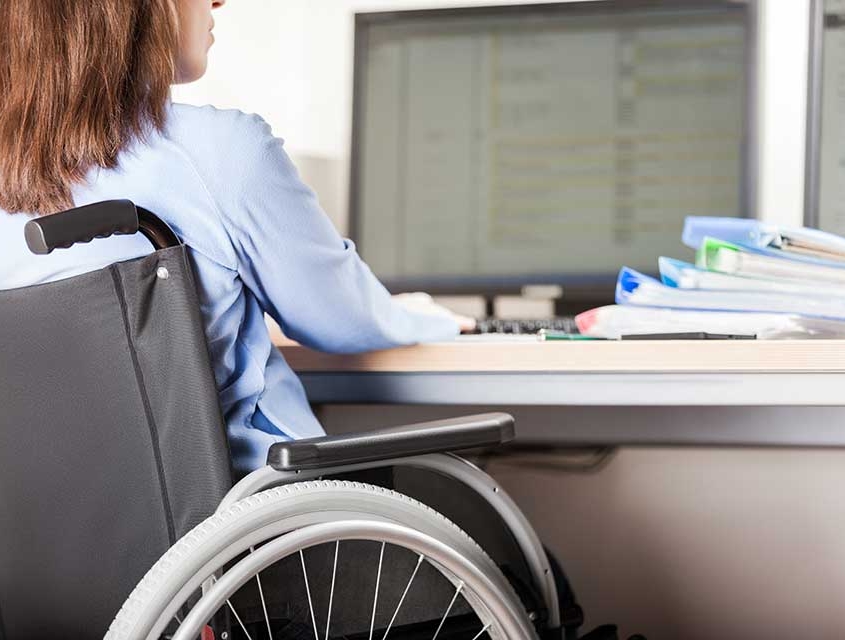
(565, 324)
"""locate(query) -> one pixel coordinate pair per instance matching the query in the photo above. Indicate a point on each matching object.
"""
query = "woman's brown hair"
(79, 80)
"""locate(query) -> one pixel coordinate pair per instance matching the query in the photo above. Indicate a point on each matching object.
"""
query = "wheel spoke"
(478, 635)
(375, 597)
(308, 591)
(263, 602)
(448, 609)
(402, 599)
(238, 618)
(331, 594)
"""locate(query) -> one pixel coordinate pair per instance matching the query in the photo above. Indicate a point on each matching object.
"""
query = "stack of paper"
(749, 277)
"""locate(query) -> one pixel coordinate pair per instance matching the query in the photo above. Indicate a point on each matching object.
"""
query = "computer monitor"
(495, 147)
(824, 184)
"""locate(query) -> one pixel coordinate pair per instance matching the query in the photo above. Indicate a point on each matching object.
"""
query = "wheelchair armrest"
(484, 430)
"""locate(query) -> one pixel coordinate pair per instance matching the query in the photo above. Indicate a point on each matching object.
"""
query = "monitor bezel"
(592, 285)
(812, 159)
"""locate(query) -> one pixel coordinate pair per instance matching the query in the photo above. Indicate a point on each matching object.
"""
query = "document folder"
(799, 243)
(683, 275)
(726, 257)
(636, 288)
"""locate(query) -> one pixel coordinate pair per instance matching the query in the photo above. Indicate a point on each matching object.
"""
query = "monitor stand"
(545, 301)
(533, 302)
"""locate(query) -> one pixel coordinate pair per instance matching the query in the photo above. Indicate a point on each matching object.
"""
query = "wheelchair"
(116, 486)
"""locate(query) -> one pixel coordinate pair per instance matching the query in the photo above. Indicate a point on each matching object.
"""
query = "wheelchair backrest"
(112, 443)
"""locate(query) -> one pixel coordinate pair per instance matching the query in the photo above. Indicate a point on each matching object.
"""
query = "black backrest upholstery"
(111, 440)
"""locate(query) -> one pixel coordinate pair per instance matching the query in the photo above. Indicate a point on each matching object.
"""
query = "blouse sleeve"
(303, 273)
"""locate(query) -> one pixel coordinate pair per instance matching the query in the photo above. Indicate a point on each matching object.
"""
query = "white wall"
(291, 61)
(784, 28)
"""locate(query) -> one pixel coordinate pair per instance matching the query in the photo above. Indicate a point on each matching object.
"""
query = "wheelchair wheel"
(313, 528)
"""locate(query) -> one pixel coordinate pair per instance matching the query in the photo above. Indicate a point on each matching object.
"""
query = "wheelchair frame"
(417, 446)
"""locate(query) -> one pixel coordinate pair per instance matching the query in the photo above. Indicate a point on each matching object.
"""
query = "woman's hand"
(423, 303)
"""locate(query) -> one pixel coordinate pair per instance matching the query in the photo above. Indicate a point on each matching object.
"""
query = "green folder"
(706, 254)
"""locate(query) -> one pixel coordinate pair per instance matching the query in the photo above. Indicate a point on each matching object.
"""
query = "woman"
(86, 116)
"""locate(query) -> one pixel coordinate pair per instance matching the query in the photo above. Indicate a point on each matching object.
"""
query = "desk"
(696, 392)
(664, 520)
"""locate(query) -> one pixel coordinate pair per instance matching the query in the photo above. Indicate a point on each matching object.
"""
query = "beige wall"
(700, 544)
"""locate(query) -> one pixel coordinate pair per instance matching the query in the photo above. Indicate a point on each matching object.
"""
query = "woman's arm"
(308, 278)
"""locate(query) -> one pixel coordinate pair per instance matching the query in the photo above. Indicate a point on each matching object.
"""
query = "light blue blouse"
(259, 243)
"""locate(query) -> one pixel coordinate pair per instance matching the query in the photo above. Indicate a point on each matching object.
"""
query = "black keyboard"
(495, 325)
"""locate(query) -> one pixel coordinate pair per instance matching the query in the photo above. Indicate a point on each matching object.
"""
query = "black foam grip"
(470, 432)
(82, 224)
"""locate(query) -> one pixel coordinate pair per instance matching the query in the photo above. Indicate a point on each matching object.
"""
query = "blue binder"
(800, 244)
(635, 288)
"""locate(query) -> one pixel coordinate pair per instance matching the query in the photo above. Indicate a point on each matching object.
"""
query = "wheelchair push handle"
(98, 220)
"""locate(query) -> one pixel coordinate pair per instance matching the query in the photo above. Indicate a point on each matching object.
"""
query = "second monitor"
(500, 146)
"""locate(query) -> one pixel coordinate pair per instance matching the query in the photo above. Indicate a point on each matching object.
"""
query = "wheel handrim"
(496, 612)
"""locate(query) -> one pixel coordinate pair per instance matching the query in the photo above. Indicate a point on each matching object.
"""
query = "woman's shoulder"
(228, 143)
(230, 130)
(231, 151)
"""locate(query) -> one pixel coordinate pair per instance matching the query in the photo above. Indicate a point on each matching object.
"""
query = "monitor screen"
(825, 180)
(510, 145)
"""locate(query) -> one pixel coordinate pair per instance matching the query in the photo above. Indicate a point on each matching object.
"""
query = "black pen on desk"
(689, 335)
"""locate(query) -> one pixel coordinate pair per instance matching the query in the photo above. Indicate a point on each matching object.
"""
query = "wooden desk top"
(788, 356)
